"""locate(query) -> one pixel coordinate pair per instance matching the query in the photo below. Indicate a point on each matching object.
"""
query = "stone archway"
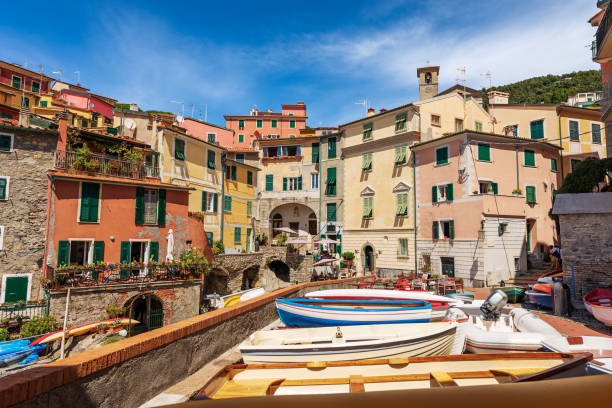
(148, 310)
(250, 277)
(297, 216)
(281, 270)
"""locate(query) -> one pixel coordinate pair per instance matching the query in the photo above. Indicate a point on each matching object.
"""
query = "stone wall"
(23, 215)
(180, 300)
(148, 363)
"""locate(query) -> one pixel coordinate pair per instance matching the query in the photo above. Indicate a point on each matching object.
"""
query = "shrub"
(4, 334)
(38, 325)
(112, 339)
(282, 238)
(348, 256)
(114, 312)
(219, 245)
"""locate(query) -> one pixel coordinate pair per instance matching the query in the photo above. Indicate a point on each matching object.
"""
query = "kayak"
(82, 329)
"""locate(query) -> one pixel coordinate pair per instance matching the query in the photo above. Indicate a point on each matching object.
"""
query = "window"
(292, 183)
(331, 148)
(596, 133)
(401, 207)
(441, 155)
(43, 104)
(237, 233)
(537, 129)
(249, 208)
(212, 160)
(574, 132)
(530, 194)
(6, 143)
(209, 202)
(150, 206)
(241, 124)
(84, 123)
(501, 228)
(16, 82)
(529, 158)
(179, 149)
(250, 178)
(290, 136)
(315, 152)
(211, 138)
(35, 86)
(292, 124)
(314, 180)
(458, 125)
(444, 229)
(400, 121)
(330, 188)
(240, 157)
(366, 162)
(400, 155)
(574, 163)
(274, 123)
(331, 211)
(553, 164)
(227, 203)
(4, 187)
(234, 175)
(478, 126)
(25, 101)
(367, 207)
(290, 113)
(487, 187)
(402, 249)
(259, 123)
(435, 120)
(511, 130)
(269, 182)
(90, 197)
(441, 193)
(367, 131)
(484, 152)
(240, 138)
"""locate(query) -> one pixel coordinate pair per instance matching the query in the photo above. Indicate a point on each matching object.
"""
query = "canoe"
(600, 347)
(543, 287)
(599, 296)
(549, 277)
(439, 304)
(82, 329)
(519, 331)
(323, 312)
(249, 380)
(14, 357)
(515, 293)
(539, 298)
(464, 297)
(353, 342)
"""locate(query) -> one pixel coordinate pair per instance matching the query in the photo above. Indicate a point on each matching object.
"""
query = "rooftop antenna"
(488, 75)
(183, 104)
(365, 104)
(59, 74)
(78, 74)
(205, 112)
(464, 80)
(41, 69)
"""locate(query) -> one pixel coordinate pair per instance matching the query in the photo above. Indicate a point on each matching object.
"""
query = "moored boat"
(600, 347)
(599, 301)
(248, 380)
(515, 293)
(324, 312)
(538, 298)
(354, 342)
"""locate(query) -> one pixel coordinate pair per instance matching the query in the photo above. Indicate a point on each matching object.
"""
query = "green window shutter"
(98, 252)
(367, 207)
(63, 253)
(179, 149)
(396, 158)
(249, 208)
(212, 160)
(479, 126)
(331, 148)
(241, 123)
(154, 251)
(215, 203)
(449, 192)
(139, 205)
(90, 196)
(227, 203)
(331, 181)
(484, 152)
(292, 124)
(250, 178)
(234, 171)
(442, 155)
(596, 133)
(529, 156)
(237, 234)
(274, 123)
(331, 211)
(315, 152)
(400, 121)
(203, 201)
(402, 155)
(209, 237)
(284, 183)
(339, 244)
(240, 138)
(299, 182)
(248, 239)
(5, 143)
(17, 82)
(259, 123)
(366, 161)
(367, 131)
(494, 188)
(574, 132)
(434, 194)
(269, 182)
(161, 208)
(3, 189)
(451, 229)
(530, 194)
(537, 129)
(435, 230)
(553, 164)
(125, 252)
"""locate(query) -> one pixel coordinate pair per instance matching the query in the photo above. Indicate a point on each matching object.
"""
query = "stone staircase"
(529, 277)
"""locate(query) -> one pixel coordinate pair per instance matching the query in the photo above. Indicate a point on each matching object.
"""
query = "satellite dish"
(129, 124)
(179, 119)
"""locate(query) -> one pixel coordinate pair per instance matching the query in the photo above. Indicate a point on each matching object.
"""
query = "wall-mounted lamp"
(112, 238)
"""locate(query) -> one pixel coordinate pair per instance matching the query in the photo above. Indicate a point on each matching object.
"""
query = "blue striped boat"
(327, 312)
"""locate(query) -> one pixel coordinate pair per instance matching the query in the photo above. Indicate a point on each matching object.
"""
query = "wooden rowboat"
(354, 342)
(82, 329)
(600, 347)
(250, 380)
(323, 312)
(599, 303)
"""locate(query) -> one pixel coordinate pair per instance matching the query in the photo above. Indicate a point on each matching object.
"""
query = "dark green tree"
(587, 177)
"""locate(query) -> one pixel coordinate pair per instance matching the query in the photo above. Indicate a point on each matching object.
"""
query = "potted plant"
(348, 258)
(4, 322)
(517, 191)
(21, 304)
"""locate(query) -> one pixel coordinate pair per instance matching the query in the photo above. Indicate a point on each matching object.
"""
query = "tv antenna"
(183, 105)
(59, 73)
(78, 75)
(365, 104)
(488, 75)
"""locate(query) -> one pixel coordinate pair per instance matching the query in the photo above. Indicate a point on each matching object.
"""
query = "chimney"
(371, 111)
(428, 81)
(24, 116)
(62, 139)
(269, 110)
(382, 110)
(300, 102)
(498, 98)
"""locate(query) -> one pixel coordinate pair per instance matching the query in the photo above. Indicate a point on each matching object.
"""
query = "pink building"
(80, 98)
(483, 203)
(267, 125)
(208, 132)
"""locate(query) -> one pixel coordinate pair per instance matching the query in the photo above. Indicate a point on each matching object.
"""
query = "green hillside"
(550, 88)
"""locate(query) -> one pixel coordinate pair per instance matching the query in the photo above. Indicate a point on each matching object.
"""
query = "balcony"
(600, 50)
(104, 165)
(497, 204)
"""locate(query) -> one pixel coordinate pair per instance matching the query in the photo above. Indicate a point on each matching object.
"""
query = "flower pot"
(348, 263)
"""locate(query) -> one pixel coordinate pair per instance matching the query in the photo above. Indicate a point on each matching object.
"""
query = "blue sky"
(329, 54)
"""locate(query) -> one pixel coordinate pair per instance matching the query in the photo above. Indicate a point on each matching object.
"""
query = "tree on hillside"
(588, 176)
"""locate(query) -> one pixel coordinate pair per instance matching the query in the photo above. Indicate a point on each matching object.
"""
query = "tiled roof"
(242, 149)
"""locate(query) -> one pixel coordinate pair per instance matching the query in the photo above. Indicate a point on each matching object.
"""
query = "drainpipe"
(560, 144)
(517, 169)
(414, 197)
(222, 204)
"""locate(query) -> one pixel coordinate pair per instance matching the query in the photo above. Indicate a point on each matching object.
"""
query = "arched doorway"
(277, 222)
(368, 258)
(281, 270)
(148, 310)
(313, 228)
(297, 216)
(250, 276)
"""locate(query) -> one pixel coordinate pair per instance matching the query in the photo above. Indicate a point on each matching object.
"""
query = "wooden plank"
(247, 388)
(442, 379)
(356, 383)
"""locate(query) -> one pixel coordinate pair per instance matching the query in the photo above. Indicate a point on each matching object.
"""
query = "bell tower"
(428, 82)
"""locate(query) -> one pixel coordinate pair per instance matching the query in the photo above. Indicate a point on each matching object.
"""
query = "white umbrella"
(298, 242)
(285, 229)
(170, 246)
(325, 241)
(324, 262)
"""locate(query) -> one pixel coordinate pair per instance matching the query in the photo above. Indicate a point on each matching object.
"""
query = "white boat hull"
(599, 346)
(602, 313)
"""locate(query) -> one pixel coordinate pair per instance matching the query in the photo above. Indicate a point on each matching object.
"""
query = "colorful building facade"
(20, 86)
(239, 206)
(208, 132)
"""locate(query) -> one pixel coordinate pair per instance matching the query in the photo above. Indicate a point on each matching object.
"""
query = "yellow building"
(239, 200)
(578, 131)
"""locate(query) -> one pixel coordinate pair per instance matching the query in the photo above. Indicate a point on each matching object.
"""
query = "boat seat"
(441, 379)
(248, 388)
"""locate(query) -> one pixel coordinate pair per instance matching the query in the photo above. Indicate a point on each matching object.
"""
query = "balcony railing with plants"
(83, 160)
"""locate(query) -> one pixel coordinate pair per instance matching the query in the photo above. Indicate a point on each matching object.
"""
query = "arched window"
(428, 78)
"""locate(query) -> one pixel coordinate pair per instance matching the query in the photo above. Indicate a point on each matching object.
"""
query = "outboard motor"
(492, 307)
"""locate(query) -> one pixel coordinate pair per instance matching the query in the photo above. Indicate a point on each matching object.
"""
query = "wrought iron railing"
(10, 312)
(104, 165)
(602, 30)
